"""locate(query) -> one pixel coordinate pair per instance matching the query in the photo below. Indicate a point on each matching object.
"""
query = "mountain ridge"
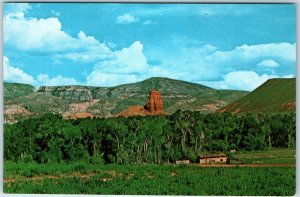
(108, 101)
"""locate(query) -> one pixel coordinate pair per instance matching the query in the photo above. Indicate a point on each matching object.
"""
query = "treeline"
(150, 139)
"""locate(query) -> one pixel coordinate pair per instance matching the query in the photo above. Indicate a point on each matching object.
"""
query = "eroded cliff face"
(155, 103)
(69, 92)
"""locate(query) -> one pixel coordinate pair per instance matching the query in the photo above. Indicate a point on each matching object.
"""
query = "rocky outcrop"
(135, 110)
(155, 103)
(68, 92)
(13, 112)
(153, 107)
(73, 99)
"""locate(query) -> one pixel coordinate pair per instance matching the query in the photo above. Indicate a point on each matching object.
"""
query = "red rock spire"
(155, 103)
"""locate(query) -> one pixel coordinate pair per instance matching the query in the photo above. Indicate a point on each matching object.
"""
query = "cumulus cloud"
(99, 78)
(284, 50)
(210, 63)
(268, 63)
(36, 34)
(13, 74)
(43, 79)
(16, 9)
(91, 50)
(225, 69)
(126, 19)
(243, 80)
(33, 34)
(123, 66)
(127, 60)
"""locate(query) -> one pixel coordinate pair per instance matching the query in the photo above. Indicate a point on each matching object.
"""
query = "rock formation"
(153, 107)
(155, 103)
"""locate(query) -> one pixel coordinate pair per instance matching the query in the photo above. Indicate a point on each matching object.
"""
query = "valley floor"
(270, 176)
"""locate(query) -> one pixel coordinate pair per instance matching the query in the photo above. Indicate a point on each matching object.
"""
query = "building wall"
(213, 160)
(182, 162)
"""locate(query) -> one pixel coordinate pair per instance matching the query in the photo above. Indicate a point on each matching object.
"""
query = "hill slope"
(109, 101)
(275, 95)
(14, 90)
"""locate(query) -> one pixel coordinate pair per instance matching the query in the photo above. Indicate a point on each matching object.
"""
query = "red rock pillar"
(155, 103)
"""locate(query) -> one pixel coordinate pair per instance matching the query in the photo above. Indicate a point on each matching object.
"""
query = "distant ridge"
(275, 95)
(69, 101)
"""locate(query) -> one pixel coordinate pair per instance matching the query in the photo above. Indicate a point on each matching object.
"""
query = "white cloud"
(98, 78)
(43, 79)
(268, 63)
(242, 80)
(188, 61)
(36, 34)
(209, 63)
(127, 60)
(126, 19)
(16, 9)
(149, 22)
(13, 74)
(284, 50)
(32, 34)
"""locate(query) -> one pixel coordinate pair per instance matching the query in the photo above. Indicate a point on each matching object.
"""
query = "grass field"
(85, 178)
(272, 156)
(161, 180)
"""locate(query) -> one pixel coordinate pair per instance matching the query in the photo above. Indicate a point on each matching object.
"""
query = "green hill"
(108, 101)
(14, 90)
(275, 95)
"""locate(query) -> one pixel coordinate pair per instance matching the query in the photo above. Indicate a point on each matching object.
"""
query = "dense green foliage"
(273, 96)
(159, 180)
(150, 139)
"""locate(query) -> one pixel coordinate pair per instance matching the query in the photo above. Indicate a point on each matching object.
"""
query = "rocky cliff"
(109, 101)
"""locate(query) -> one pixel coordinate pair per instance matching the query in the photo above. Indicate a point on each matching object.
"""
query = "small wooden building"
(213, 158)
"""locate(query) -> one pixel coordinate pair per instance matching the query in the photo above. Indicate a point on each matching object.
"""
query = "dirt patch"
(209, 107)
(37, 178)
(246, 165)
(289, 106)
(229, 107)
(173, 174)
(79, 115)
(137, 110)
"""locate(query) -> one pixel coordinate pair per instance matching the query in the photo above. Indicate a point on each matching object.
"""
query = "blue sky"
(224, 46)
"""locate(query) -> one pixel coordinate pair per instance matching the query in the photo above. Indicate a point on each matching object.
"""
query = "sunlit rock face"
(155, 103)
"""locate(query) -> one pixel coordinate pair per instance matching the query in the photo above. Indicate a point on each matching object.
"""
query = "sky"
(223, 46)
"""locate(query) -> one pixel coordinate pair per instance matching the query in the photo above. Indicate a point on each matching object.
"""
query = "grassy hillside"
(108, 101)
(14, 90)
(275, 95)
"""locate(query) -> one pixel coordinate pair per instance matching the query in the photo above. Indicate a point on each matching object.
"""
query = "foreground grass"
(81, 178)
